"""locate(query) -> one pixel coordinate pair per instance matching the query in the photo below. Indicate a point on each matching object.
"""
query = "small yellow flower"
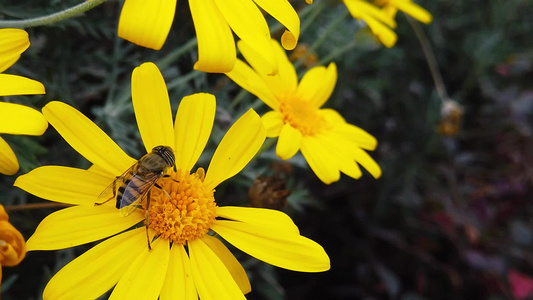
(185, 261)
(380, 23)
(328, 143)
(147, 23)
(14, 118)
(12, 244)
(379, 16)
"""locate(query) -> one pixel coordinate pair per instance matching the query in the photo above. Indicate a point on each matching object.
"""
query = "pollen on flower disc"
(184, 209)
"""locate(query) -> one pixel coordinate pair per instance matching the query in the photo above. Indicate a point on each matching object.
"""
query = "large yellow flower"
(147, 23)
(328, 143)
(185, 260)
(380, 19)
(14, 118)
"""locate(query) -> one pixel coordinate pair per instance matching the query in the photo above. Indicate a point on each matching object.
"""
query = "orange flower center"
(302, 115)
(185, 209)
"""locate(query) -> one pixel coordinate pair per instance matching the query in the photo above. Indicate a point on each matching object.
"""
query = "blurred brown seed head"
(269, 192)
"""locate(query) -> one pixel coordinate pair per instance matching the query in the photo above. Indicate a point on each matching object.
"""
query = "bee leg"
(146, 222)
(168, 176)
(166, 193)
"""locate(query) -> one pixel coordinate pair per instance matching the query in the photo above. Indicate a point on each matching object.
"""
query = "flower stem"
(430, 58)
(35, 206)
(53, 18)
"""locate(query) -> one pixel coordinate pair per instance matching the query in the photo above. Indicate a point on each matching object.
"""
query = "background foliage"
(451, 217)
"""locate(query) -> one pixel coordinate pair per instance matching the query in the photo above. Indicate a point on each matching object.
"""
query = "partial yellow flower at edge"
(327, 142)
(21, 120)
(12, 43)
(408, 7)
(380, 23)
(147, 23)
(168, 271)
(15, 118)
(12, 244)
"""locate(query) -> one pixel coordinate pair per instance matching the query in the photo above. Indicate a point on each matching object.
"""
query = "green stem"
(430, 58)
(182, 79)
(177, 53)
(53, 18)
(331, 56)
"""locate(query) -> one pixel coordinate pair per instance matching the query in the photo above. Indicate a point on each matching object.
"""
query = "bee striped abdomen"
(130, 191)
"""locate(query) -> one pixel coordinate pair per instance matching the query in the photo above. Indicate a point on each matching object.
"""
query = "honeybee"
(130, 188)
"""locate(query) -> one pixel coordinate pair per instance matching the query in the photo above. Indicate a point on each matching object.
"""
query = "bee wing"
(136, 191)
(111, 190)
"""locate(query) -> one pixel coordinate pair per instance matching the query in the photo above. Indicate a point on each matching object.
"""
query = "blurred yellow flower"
(328, 143)
(14, 118)
(12, 244)
(379, 16)
(147, 23)
(185, 261)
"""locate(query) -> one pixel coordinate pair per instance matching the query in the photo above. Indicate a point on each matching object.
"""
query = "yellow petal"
(317, 84)
(87, 138)
(212, 279)
(232, 264)
(194, 122)
(414, 10)
(96, 271)
(146, 23)
(12, 43)
(246, 20)
(64, 184)
(11, 85)
(367, 162)
(287, 73)
(249, 80)
(276, 247)
(320, 161)
(216, 46)
(273, 122)
(385, 34)
(179, 283)
(146, 274)
(260, 217)
(285, 82)
(152, 107)
(283, 11)
(9, 165)
(79, 225)
(237, 148)
(339, 150)
(343, 130)
(20, 119)
(361, 9)
(289, 142)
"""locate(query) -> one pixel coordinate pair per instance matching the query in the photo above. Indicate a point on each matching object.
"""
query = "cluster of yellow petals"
(184, 209)
(12, 244)
(302, 116)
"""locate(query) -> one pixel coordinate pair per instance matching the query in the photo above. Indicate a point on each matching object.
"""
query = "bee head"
(166, 153)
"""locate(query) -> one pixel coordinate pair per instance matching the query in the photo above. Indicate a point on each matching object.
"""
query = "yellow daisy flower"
(147, 23)
(12, 244)
(15, 118)
(328, 143)
(380, 18)
(185, 260)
